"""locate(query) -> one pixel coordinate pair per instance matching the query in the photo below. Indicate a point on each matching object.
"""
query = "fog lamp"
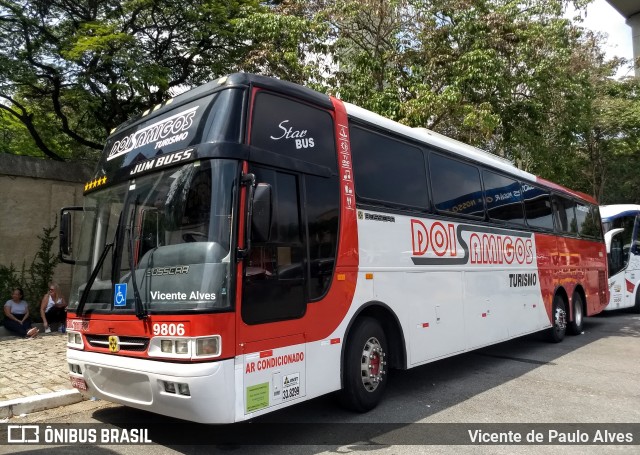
(183, 389)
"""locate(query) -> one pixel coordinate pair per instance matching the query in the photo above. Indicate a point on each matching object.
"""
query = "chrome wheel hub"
(372, 364)
(560, 319)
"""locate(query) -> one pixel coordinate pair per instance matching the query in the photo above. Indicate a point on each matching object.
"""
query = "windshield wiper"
(96, 269)
(92, 278)
(141, 311)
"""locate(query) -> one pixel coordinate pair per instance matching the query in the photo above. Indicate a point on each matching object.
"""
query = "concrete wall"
(32, 192)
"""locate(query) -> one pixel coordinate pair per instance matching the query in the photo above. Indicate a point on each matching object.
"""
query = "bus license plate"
(78, 383)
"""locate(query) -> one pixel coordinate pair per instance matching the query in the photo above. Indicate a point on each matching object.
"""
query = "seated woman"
(16, 312)
(53, 309)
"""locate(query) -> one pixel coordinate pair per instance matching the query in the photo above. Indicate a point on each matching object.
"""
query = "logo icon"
(120, 295)
(23, 434)
(114, 343)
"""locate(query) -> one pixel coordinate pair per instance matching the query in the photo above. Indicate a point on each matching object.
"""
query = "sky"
(602, 17)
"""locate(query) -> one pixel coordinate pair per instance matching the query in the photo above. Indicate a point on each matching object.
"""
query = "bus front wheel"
(558, 319)
(365, 366)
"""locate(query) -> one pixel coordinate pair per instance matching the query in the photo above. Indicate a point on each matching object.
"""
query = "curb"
(27, 405)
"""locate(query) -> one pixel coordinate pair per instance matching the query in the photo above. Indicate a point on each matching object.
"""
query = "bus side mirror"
(608, 237)
(262, 209)
(66, 234)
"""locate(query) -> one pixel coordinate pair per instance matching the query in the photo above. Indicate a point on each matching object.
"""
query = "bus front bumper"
(199, 392)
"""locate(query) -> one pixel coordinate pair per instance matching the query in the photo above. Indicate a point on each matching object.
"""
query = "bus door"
(624, 266)
(632, 272)
(290, 257)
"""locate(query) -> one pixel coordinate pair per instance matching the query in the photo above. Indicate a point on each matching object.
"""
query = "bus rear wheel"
(577, 324)
(636, 307)
(365, 366)
(558, 319)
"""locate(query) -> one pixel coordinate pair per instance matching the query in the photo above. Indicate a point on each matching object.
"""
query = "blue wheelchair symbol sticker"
(120, 297)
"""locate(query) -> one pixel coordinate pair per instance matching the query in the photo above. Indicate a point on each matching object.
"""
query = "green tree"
(34, 279)
(72, 71)
(515, 78)
(611, 144)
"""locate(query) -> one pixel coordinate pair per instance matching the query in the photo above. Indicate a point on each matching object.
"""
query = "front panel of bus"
(151, 320)
(171, 299)
(623, 253)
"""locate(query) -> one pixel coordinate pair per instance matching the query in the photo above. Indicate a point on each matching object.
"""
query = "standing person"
(16, 312)
(53, 309)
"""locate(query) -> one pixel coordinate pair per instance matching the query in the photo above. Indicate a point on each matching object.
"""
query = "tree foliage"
(612, 144)
(514, 77)
(73, 70)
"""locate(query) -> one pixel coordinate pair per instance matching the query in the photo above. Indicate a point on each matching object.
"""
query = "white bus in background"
(620, 224)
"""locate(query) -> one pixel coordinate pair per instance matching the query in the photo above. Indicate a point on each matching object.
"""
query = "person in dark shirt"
(16, 315)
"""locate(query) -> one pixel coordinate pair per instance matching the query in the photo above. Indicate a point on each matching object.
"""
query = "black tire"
(364, 366)
(559, 320)
(636, 307)
(577, 323)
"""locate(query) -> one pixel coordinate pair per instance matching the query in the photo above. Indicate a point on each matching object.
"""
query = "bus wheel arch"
(373, 344)
(578, 311)
(559, 316)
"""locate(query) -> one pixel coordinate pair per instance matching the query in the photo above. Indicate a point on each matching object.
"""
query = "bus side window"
(379, 158)
(537, 206)
(564, 215)
(588, 221)
(503, 197)
(463, 198)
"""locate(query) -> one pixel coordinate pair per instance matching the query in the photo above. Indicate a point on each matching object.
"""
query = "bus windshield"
(172, 228)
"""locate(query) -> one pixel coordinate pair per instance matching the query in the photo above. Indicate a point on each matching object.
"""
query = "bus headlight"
(185, 347)
(166, 346)
(182, 346)
(208, 347)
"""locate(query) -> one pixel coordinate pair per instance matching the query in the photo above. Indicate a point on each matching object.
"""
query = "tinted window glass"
(274, 271)
(621, 244)
(387, 170)
(503, 198)
(294, 129)
(537, 207)
(322, 216)
(565, 216)
(588, 218)
(455, 186)
(595, 216)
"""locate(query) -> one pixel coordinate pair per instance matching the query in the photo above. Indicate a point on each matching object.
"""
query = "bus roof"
(423, 135)
(613, 211)
(233, 80)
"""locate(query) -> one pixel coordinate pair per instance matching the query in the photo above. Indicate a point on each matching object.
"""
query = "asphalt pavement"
(34, 374)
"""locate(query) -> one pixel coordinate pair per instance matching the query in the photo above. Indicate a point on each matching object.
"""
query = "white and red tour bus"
(252, 244)
(621, 223)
